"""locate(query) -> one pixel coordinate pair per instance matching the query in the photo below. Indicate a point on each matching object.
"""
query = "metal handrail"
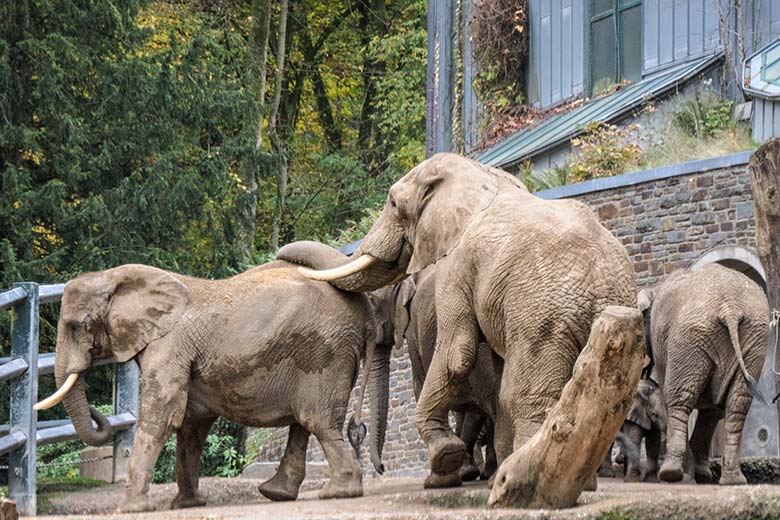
(22, 370)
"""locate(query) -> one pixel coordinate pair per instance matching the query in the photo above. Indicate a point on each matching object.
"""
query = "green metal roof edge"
(549, 134)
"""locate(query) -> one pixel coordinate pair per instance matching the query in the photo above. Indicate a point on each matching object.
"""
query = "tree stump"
(553, 467)
(8, 510)
(764, 171)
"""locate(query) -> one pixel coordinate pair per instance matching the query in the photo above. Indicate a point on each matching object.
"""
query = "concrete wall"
(667, 218)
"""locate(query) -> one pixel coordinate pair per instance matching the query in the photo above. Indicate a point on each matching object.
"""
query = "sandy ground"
(401, 498)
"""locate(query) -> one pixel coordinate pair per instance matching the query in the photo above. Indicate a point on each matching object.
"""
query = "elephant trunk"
(379, 393)
(361, 273)
(81, 414)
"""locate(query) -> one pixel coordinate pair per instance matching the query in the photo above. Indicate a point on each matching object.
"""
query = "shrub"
(705, 115)
(605, 150)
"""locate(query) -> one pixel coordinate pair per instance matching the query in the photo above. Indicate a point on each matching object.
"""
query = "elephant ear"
(145, 305)
(638, 412)
(402, 314)
(453, 191)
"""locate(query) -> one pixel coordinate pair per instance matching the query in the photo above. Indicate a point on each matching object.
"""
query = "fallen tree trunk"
(553, 467)
(764, 171)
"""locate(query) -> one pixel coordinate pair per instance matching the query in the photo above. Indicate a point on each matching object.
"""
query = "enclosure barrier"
(22, 369)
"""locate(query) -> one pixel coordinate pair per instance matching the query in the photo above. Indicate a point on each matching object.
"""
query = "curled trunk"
(379, 392)
(81, 414)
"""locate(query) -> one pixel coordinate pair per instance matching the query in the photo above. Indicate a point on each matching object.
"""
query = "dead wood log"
(553, 467)
(8, 510)
(764, 171)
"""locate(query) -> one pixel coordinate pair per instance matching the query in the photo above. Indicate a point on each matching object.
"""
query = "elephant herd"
(493, 290)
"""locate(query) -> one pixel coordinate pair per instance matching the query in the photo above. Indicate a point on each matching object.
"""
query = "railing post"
(24, 394)
(125, 401)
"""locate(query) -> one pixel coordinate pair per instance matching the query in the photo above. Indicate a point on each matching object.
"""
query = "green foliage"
(221, 456)
(604, 150)
(537, 180)
(705, 115)
(618, 513)
(500, 41)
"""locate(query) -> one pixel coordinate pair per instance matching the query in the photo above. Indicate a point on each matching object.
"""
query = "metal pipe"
(68, 432)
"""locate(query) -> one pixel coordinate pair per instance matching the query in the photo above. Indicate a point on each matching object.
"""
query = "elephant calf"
(708, 338)
(264, 348)
(646, 420)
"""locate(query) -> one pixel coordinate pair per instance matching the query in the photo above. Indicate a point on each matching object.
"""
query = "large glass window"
(615, 42)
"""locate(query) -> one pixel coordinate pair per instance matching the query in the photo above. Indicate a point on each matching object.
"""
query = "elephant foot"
(342, 488)
(135, 505)
(182, 501)
(732, 477)
(671, 471)
(592, 484)
(702, 474)
(606, 471)
(468, 472)
(280, 488)
(487, 473)
(434, 481)
(651, 475)
(447, 453)
(632, 476)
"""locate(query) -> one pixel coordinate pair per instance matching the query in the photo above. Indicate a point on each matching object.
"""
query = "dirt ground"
(404, 498)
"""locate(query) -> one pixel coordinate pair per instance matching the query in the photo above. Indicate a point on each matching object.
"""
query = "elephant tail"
(732, 323)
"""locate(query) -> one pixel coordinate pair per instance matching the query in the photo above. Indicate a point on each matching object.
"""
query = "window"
(615, 42)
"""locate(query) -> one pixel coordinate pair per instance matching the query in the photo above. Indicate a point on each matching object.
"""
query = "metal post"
(470, 107)
(125, 401)
(430, 82)
(446, 80)
(24, 394)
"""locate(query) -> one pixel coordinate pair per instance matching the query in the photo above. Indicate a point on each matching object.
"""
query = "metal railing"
(24, 433)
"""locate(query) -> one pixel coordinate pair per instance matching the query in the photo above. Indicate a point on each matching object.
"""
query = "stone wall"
(667, 218)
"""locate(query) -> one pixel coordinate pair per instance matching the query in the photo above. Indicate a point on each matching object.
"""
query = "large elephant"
(267, 347)
(708, 339)
(528, 275)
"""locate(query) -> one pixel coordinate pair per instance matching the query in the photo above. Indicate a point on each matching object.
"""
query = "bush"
(605, 150)
(705, 115)
(221, 456)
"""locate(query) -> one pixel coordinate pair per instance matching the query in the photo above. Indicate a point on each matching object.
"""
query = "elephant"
(477, 398)
(646, 420)
(705, 327)
(407, 312)
(528, 275)
(266, 347)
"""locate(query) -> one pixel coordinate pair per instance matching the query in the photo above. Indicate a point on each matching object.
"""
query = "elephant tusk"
(59, 395)
(401, 276)
(328, 275)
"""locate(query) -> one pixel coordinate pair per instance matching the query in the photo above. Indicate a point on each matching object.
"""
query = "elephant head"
(383, 304)
(116, 312)
(426, 213)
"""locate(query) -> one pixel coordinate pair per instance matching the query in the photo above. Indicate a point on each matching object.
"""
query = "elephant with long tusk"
(267, 347)
(528, 275)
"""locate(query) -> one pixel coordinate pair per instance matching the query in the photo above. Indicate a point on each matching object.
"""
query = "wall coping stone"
(643, 176)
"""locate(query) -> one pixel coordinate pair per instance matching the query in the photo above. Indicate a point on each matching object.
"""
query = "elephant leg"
(633, 439)
(346, 480)
(653, 448)
(737, 404)
(190, 440)
(162, 407)
(453, 360)
(285, 483)
(700, 443)
(684, 385)
(605, 470)
(490, 453)
(471, 427)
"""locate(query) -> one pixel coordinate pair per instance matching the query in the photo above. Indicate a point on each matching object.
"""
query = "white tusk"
(59, 395)
(328, 275)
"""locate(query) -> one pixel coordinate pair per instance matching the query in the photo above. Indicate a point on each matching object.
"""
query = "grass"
(678, 146)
